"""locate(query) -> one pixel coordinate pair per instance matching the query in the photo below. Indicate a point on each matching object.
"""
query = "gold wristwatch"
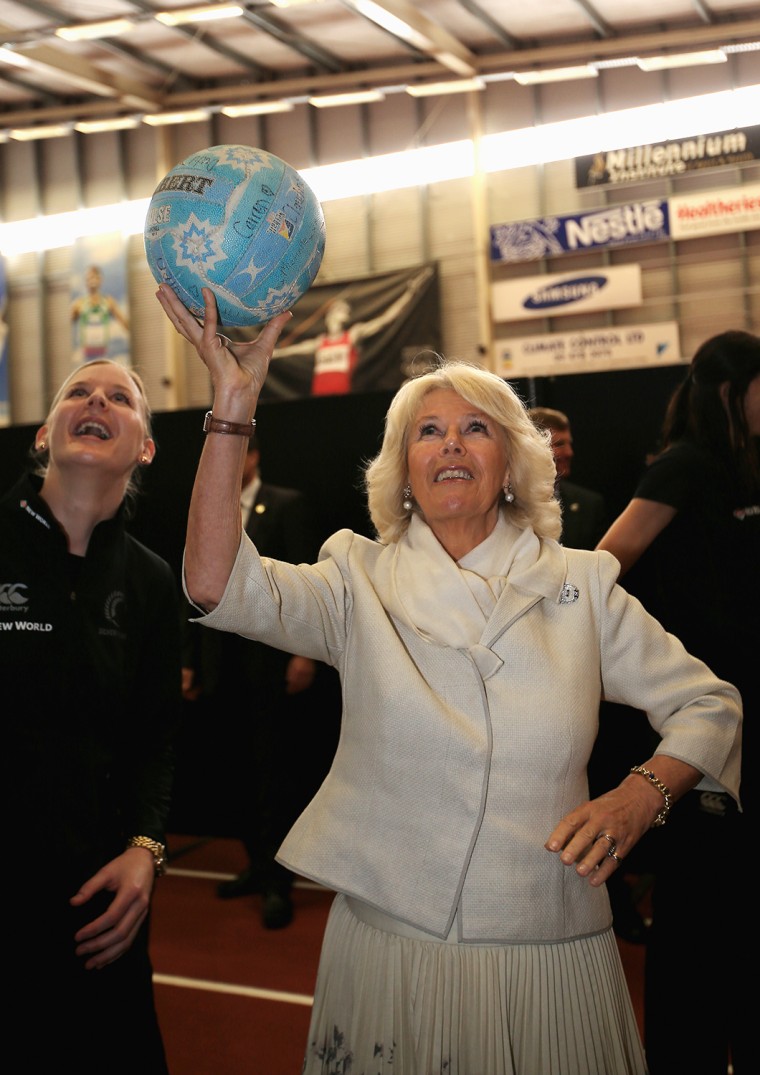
(157, 850)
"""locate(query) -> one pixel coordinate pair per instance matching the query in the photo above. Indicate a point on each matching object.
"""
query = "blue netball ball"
(240, 221)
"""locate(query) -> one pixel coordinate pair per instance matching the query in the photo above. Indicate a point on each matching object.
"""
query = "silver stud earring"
(509, 496)
(407, 503)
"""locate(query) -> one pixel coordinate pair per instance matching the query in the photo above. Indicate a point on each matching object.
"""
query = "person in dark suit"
(256, 701)
(584, 522)
(584, 515)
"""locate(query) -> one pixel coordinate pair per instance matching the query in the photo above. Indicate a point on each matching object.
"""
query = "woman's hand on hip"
(597, 835)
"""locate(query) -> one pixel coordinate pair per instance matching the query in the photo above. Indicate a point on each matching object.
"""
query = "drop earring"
(407, 503)
(509, 496)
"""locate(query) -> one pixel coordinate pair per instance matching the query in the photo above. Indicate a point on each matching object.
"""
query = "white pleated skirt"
(387, 1004)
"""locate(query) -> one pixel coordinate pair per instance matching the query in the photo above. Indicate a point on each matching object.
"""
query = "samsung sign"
(579, 287)
(565, 293)
(617, 225)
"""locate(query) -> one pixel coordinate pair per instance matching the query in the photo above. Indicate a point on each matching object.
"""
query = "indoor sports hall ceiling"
(290, 50)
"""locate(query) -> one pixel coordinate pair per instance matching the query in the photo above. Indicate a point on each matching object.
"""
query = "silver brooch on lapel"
(568, 594)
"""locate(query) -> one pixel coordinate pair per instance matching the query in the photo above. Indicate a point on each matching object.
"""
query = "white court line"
(233, 990)
(211, 875)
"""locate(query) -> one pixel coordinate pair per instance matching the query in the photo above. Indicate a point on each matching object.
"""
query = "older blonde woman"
(90, 664)
(471, 928)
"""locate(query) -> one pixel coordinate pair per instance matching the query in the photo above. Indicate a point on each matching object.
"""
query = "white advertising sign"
(618, 348)
(566, 293)
(719, 211)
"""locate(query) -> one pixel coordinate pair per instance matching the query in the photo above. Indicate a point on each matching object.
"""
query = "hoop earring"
(407, 503)
(509, 496)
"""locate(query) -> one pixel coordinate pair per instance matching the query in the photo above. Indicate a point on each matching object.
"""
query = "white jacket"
(454, 765)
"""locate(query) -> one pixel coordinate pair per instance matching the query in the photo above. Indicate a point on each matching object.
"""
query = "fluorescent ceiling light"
(293, 3)
(555, 74)
(164, 119)
(209, 12)
(680, 59)
(333, 100)
(422, 167)
(743, 46)
(433, 89)
(63, 229)
(94, 126)
(88, 30)
(256, 108)
(391, 171)
(31, 134)
(15, 59)
(684, 118)
(392, 23)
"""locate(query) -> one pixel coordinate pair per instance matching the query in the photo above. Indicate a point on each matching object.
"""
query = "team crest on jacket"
(112, 607)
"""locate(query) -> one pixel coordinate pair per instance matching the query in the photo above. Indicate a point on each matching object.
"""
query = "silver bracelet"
(663, 789)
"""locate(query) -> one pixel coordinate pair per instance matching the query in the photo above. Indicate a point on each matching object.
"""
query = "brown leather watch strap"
(218, 425)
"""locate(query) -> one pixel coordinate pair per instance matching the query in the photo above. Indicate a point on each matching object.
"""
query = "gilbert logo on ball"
(240, 221)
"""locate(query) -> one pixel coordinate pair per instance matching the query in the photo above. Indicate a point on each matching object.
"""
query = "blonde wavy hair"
(531, 462)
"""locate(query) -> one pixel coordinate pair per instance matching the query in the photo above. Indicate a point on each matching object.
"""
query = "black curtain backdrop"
(320, 445)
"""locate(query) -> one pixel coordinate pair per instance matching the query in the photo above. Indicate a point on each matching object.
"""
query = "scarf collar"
(448, 602)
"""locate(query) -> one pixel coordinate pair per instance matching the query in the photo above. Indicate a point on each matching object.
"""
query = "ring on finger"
(611, 854)
(610, 840)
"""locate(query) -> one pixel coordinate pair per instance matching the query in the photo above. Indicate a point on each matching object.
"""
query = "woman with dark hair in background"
(90, 664)
(689, 547)
(471, 929)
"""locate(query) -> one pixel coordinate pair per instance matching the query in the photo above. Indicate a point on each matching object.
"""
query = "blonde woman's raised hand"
(235, 367)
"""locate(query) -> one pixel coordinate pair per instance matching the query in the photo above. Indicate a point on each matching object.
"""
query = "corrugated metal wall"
(705, 284)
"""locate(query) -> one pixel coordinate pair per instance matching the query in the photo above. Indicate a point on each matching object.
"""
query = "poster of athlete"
(99, 304)
(363, 335)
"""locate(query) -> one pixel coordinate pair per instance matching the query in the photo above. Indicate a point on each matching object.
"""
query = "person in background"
(471, 929)
(90, 664)
(255, 698)
(689, 547)
(93, 315)
(584, 521)
(584, 515)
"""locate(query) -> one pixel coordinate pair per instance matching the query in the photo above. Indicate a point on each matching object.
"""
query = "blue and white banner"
(550, 236)
(589, 351)
(552, 295)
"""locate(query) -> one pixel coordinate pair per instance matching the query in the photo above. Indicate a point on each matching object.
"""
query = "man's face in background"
(562, 446)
